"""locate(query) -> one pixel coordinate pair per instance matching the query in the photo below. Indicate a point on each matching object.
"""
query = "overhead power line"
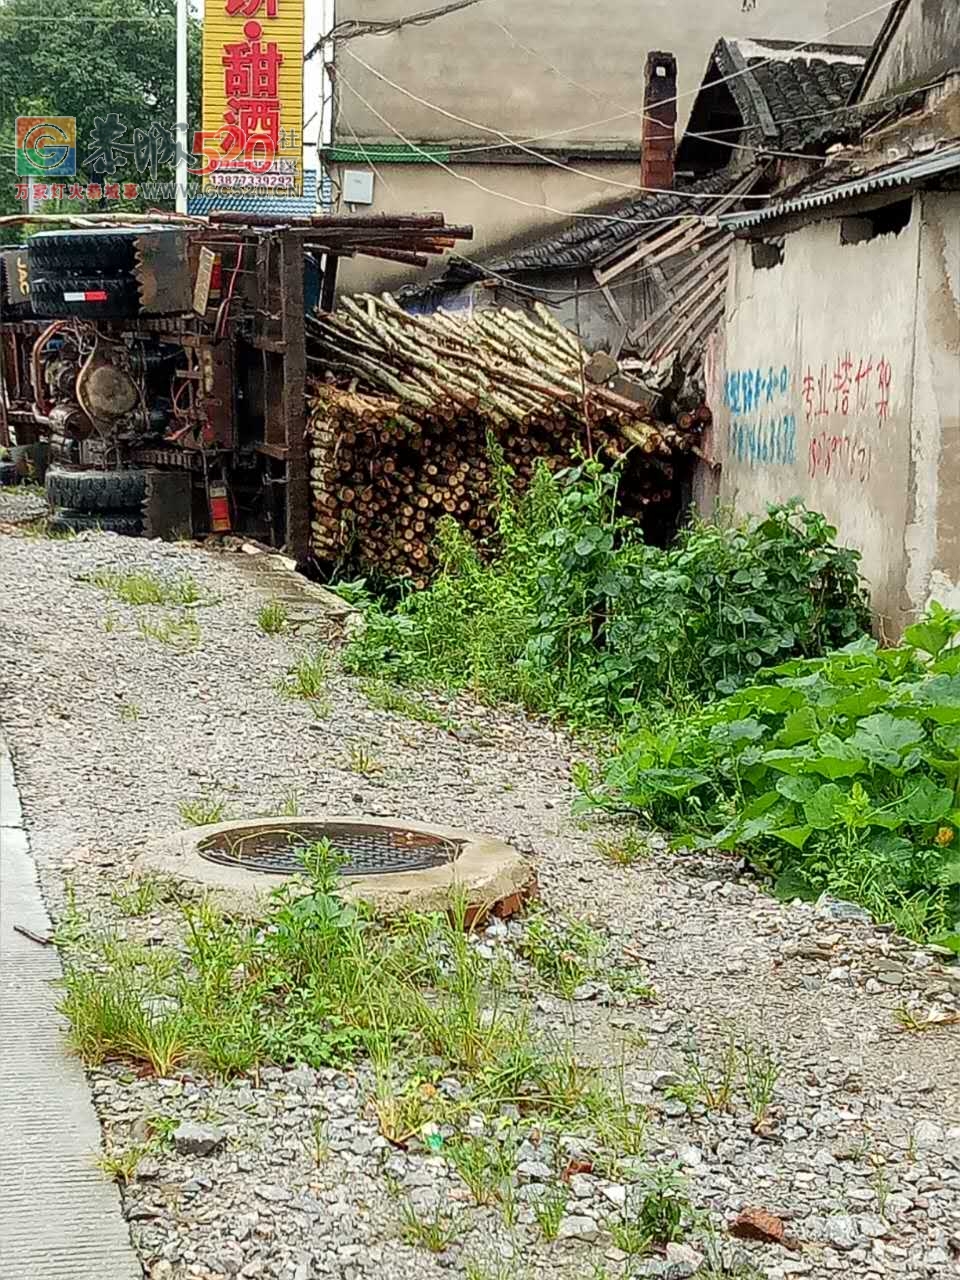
(522, 145)
(353, 28)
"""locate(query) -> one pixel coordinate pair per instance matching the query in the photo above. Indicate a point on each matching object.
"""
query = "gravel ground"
(20, 503)
(111, 729)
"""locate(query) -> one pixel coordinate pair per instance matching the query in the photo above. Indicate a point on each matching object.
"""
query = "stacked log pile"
(401, 410)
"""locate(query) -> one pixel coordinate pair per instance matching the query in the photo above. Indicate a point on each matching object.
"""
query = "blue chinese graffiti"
(765, 441)
(762, 433)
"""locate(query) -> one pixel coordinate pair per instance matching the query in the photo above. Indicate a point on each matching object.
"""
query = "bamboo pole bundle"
(400, 420)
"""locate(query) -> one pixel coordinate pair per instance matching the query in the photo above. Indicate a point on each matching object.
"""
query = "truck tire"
(96, 490)
(125, 522)
(83, 252)
(93, 297)
(9, 473)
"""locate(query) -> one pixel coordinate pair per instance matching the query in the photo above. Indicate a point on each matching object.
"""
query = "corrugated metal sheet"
(919, 169)
(278, 204)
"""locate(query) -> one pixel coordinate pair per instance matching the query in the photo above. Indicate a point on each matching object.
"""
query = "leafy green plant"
(837, 774)
(273, 619)
(575, 615)
(202, 811)
(664, 1211)
(129, 711)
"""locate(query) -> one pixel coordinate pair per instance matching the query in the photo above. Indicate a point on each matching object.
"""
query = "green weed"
(129, 711)
(146, 588)
(549, 1211)
(624, 851)
(178, 633)
(273, 619)
(42, 528)
(202, 811)
(564, 954)
(387, 697)
(486, 1167)
(709, 1080)
(121, 1164)
(138, 897)
(307, 679)
(761, 1071)
(434, 1232)
(363, 762)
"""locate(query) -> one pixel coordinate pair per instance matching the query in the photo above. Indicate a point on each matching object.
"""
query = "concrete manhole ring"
(393, 865)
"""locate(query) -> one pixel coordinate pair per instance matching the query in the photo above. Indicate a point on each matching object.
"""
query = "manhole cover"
(366, 850)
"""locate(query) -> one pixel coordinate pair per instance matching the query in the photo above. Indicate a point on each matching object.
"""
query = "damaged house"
(649, 278)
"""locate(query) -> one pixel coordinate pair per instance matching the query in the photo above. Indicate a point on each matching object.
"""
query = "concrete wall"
(560, 63)
(932, 538)
(925, 45)
(841, 385)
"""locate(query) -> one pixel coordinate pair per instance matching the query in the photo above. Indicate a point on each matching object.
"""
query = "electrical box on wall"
(357, 187)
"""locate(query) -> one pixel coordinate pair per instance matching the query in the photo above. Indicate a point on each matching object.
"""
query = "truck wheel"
(94, 297)
(82, 252)
(9, 473)
(96, 490)
(108, 521)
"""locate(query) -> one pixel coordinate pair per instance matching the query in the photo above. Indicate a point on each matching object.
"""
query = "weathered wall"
(559, 64)
(925, 45)
(841, 385)
(830, 332)
(933, 534)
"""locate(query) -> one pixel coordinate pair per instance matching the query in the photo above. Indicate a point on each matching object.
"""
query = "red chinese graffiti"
(849, 387)
(842, 456)
(855, 387)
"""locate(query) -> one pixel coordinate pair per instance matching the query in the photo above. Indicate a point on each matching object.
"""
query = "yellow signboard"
(252, 137)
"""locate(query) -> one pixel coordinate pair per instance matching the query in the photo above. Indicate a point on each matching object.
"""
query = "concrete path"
(59, 1217)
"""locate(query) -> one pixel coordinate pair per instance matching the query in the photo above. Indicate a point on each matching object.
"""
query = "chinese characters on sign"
(762, 430)
(252, 94)
(855, 387)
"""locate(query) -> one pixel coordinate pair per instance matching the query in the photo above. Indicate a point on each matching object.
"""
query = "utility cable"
(537, 155)
(527, 204)
(887, 4)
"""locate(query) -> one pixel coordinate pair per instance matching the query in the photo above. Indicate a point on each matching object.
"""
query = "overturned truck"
(152, 369)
